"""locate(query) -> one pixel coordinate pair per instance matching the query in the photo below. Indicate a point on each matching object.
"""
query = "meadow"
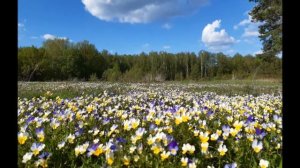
(209, 124)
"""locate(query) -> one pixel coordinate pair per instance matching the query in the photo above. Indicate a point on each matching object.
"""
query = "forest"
(62, 60)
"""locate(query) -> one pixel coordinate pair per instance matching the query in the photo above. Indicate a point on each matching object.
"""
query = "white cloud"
(216, 40)
(243, 23)
(258, 52)
(167, 26)
(140, 11)
(250, 28)
(250, 32)
(52, 37)
(166, 47)
(230, 52)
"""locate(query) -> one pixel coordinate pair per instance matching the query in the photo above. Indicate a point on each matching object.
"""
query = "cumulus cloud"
(166, 47)
(243, 22)
(250, 32)
(52, 37)
(216, 40)
(140, 11)
(167, 26)
(250, 28)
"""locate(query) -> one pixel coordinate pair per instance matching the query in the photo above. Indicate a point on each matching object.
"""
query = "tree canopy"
(60, 59)
(269, 13)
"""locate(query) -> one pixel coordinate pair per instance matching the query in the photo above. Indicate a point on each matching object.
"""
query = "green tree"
(269, 12)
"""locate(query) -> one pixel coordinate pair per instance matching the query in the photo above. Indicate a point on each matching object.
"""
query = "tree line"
(59, 59)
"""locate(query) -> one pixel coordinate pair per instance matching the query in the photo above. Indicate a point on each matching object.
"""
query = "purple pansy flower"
(173, 147)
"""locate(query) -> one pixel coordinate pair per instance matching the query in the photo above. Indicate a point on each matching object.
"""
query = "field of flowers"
(141, 126)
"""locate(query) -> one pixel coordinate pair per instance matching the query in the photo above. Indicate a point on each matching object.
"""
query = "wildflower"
(229, 119)
(127, 125)
(45, 155)
(204, 147)
(219, 132)
(192, 165)
(196, 132)
(184, 161)
(226, 131)
(238, 125)
(22, 137)
(204, 137)
(81, 149)
(188, 148)
(71, 138)
(90, 108)
(136, 158)
(263, 163)
(41, 162)
(139, 133)
(277, 119)
(260, 133)
(40, 134)
(250, 119)
(126, 160)
(27, 157)
(164, 155)
(99, 150)
(135, 123)
(96, 140)
(214, 136)
(61, 144)
(173, 147)
(110, 158)
(54, 123)
(257, 146)
(121, 140)
(185, 117)
(156, 149)
(150, 140)
(232, 165)
(170, 130)
(178, 120)
(36, 148)
(233, 132)
(96, 149)
(140, 148)
(157, 121)
(132, 149)
(222, 149)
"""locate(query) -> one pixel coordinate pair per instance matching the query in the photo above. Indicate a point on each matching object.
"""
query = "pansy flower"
(231, 165)
(36, 148)
(257, 145)
(173, 147)
(40, 134)
(22, 137)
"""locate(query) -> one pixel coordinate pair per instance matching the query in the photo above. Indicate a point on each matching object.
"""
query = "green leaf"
(280, 165)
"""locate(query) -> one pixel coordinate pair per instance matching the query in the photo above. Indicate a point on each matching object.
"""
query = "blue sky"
(134, 26)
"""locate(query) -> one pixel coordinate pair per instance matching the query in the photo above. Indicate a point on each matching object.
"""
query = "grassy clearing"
(74, 89)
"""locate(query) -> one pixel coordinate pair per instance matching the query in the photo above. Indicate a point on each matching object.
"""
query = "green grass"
(74, 89)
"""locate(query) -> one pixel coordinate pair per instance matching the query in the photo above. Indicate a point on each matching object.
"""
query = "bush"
(93, 77)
